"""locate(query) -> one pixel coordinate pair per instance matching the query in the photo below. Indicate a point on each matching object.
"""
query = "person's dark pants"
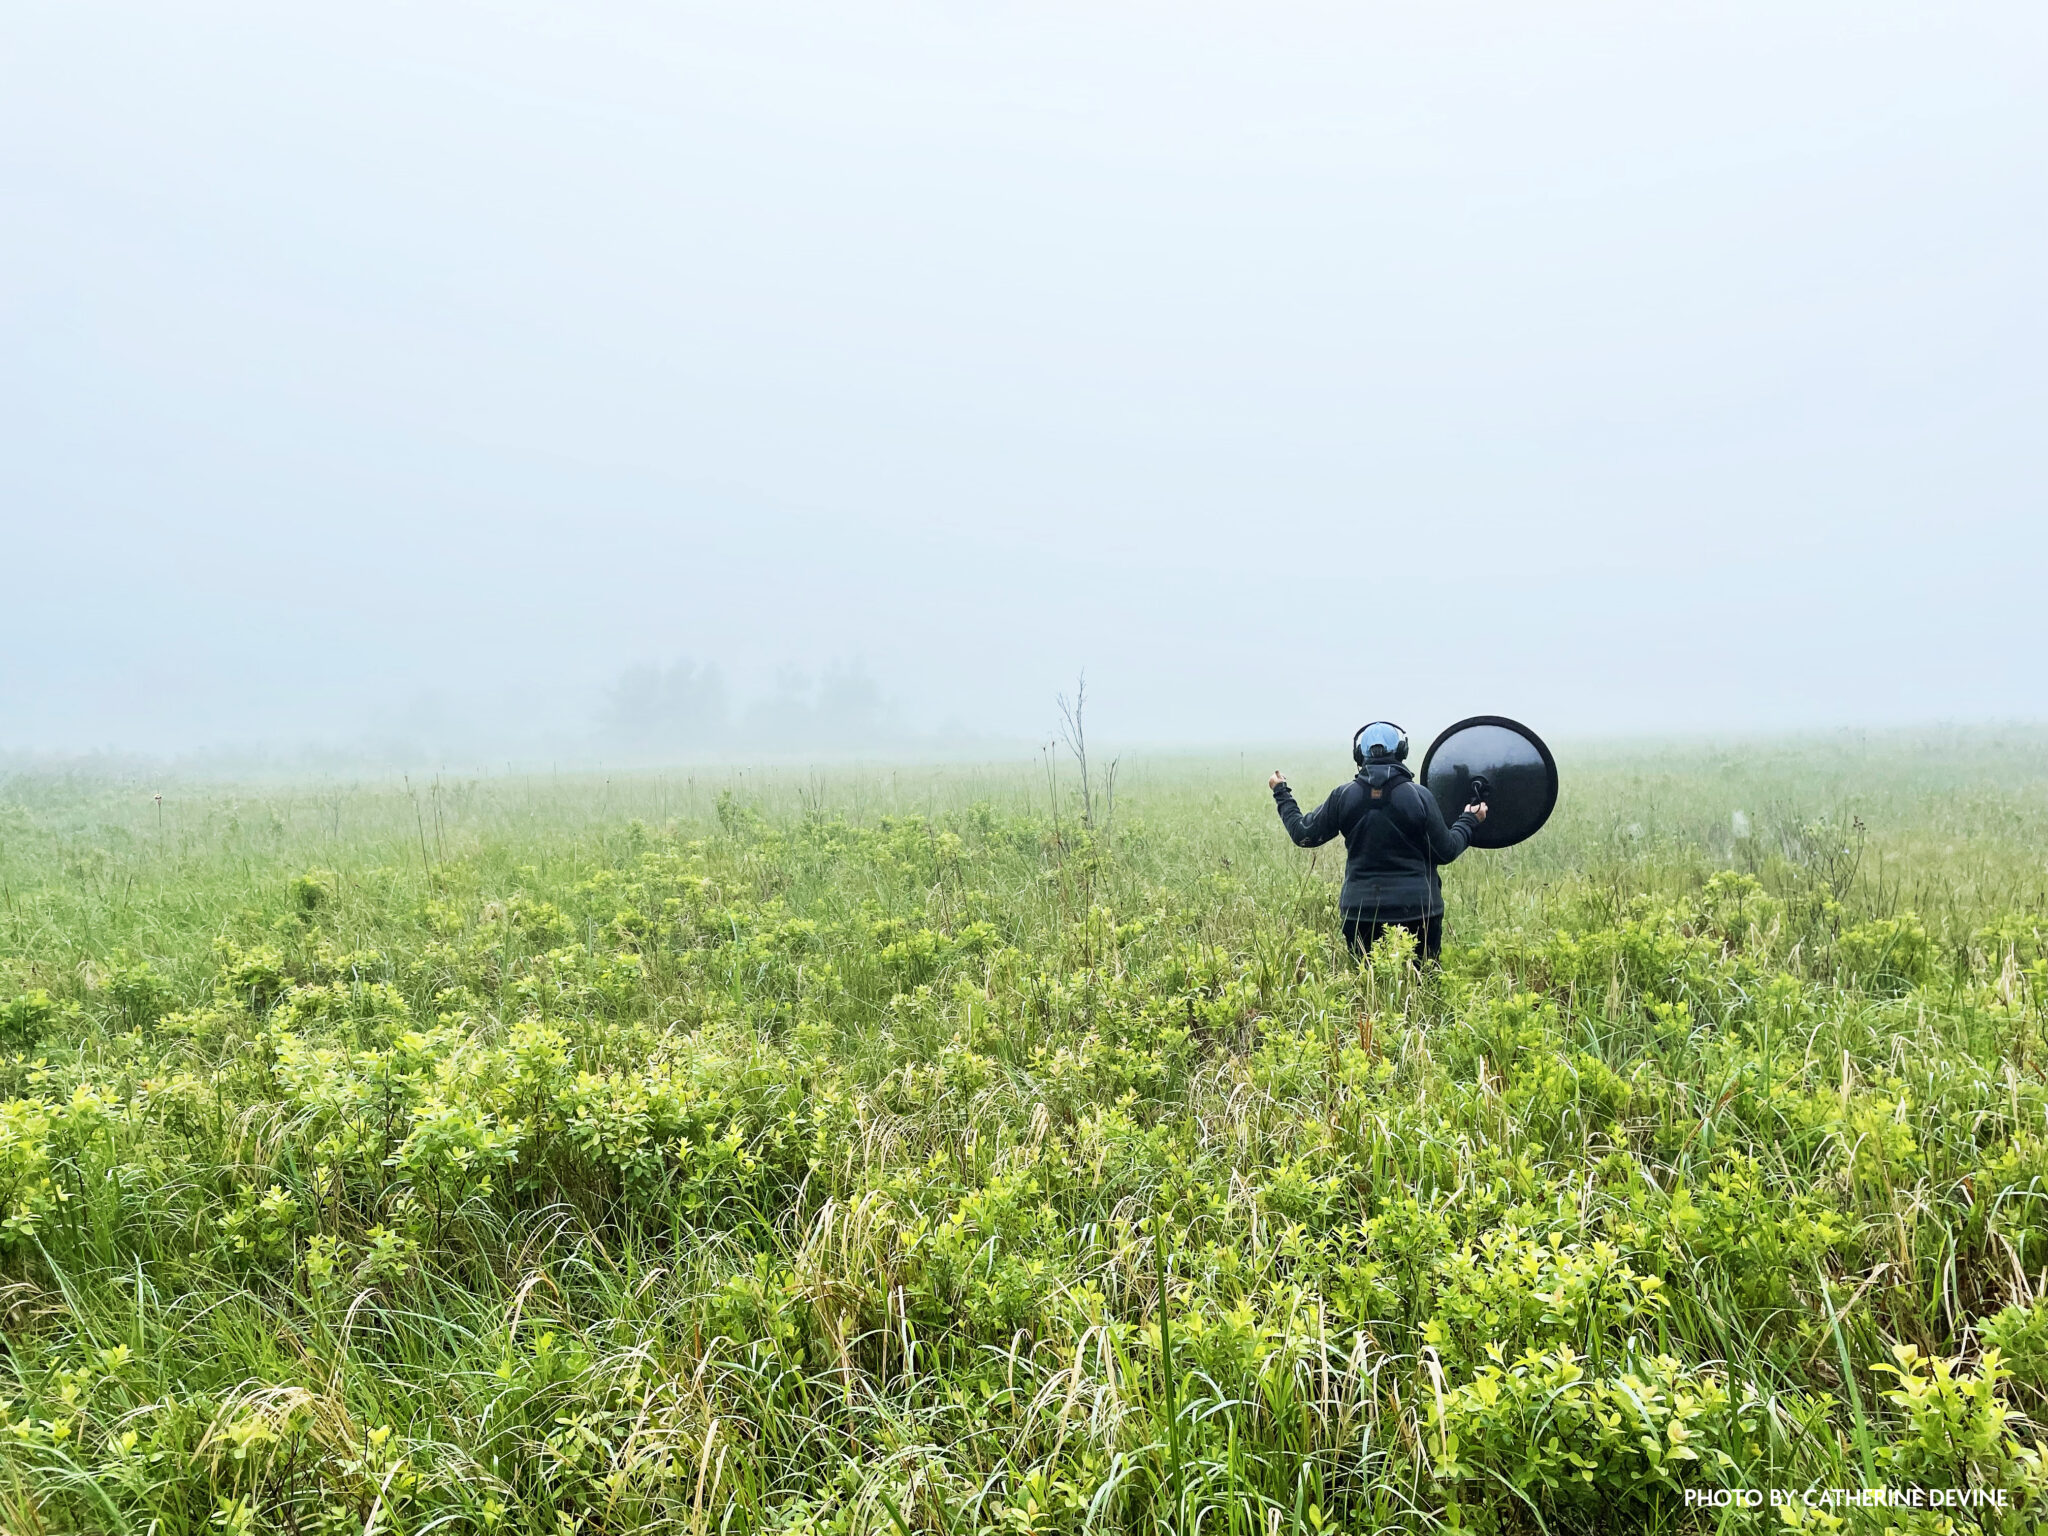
(1360, 933)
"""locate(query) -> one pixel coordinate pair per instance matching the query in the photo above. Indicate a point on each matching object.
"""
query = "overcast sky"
(1626, 368)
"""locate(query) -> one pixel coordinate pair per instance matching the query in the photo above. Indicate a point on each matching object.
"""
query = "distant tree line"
(688, 707)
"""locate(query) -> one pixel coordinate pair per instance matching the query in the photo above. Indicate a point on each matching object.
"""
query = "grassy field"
(887, 1150)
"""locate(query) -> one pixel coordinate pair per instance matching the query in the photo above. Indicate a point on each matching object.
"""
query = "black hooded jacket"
(1394, 838)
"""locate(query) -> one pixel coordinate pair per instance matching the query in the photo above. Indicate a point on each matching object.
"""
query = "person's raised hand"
(1277, 780)
(1477, 812)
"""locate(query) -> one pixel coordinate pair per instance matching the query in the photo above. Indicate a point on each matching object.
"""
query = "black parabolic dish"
(1522, 790)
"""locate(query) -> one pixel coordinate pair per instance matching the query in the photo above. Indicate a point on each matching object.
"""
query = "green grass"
(882, 1150)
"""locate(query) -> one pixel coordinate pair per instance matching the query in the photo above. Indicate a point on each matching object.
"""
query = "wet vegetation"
(900, 1152)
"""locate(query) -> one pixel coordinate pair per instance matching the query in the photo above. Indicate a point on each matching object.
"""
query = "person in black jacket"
(1394, 839)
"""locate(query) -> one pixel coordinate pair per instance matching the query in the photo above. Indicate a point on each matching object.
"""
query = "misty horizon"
(408, 380)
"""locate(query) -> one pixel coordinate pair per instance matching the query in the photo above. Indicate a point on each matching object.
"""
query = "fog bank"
(476, 378)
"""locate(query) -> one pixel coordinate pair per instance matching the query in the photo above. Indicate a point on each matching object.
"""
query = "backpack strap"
(1369, 801)
(1421, 847)
(1382, 799)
